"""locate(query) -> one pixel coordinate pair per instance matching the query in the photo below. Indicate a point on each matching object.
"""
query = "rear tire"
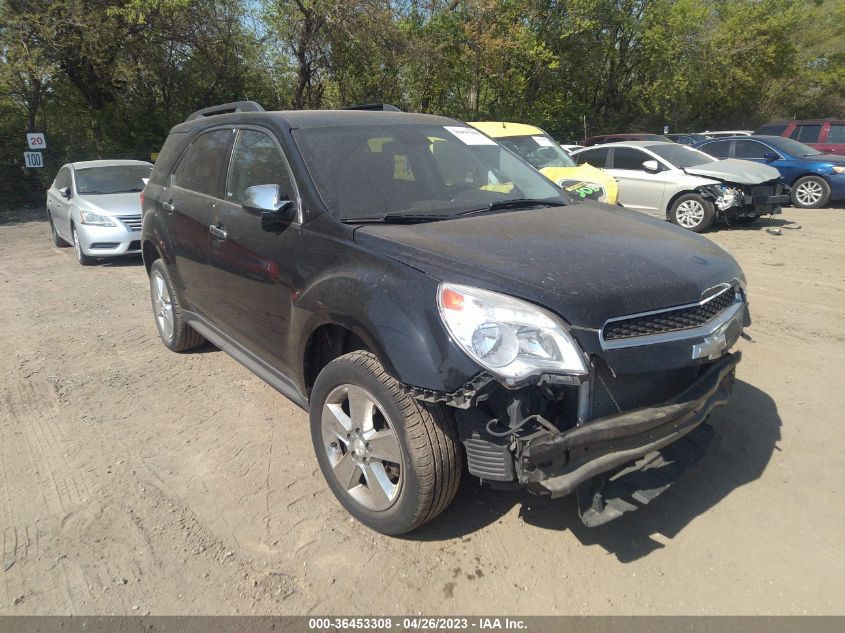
(404, 477)
(692, 212)
(81, 257)
(57, 239)
(810, 192)
(175, 333)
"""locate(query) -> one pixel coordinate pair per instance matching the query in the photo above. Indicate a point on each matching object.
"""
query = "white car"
(686, 186)
(96, 206)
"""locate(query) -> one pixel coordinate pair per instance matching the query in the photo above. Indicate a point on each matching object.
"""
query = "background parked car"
(95, 205)
(685, 185)
(687, 139)
(618, 138)
(546, 156)
(725, 133)
(815, 177)
(570, 147)
(825, 135)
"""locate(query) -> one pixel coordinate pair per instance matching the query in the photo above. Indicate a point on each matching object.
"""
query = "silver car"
(686, 186)
(95, 206)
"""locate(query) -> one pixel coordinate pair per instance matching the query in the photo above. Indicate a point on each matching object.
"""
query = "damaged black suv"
(439, 306)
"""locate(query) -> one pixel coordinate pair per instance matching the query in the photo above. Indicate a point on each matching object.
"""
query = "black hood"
(587, 262)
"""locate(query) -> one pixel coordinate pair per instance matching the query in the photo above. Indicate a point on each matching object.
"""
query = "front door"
(638, 189)
(58, 205)
(251, 268)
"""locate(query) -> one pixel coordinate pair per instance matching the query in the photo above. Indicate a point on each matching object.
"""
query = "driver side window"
(257, 160)
(62, 178)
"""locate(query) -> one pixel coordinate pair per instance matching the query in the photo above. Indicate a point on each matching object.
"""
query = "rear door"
(250, 269)
(196, 188)
(638, 189)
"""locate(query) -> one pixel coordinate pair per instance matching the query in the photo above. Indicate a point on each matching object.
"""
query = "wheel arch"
(328, 341)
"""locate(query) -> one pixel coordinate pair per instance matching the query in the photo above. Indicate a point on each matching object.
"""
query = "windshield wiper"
(399, 218)
(516, 203)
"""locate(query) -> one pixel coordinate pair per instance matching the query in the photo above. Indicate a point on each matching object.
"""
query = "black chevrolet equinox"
(439, 306)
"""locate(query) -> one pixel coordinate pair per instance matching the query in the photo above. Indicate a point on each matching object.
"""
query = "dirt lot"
(134, 480)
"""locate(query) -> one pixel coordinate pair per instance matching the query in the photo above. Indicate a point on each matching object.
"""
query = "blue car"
(815, 178)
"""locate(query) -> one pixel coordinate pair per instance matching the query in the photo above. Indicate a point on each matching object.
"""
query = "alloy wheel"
(77, 246)
(362, 447)
(690, 214)
(809, 193)
(162, 305)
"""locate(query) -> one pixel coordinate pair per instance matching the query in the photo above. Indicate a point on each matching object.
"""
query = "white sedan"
(95, 206)
(687, 186)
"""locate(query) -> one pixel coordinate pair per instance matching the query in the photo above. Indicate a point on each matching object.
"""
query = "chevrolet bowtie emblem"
(713, 344)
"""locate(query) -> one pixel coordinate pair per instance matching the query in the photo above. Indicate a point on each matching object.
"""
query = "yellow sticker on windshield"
(401, 169)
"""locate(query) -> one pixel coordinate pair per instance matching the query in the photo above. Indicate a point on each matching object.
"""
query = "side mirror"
(651, 166)
(771, 157)
(268, 201)
(65, 192)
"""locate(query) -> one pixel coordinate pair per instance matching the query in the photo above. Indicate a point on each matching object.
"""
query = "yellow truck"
(548, 157)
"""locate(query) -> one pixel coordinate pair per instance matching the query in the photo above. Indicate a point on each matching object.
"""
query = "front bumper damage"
(733, 200)
(559, 464)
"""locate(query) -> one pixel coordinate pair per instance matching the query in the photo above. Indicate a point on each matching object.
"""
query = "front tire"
(810, 192)
(57, 239)
(691, 211)
(393, 462)
(81, 257)
(175, 333)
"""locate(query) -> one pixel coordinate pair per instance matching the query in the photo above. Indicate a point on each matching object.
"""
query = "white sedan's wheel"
(81, 257)
(692, 212)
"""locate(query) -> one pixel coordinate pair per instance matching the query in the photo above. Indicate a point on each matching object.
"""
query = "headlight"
(95, 219)
(511, 338)
(838, 170)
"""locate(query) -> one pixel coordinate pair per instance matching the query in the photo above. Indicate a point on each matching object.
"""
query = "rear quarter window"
(772, 130)
(167, 156)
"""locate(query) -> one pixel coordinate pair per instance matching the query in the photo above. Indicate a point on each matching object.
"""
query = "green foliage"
(109, 78)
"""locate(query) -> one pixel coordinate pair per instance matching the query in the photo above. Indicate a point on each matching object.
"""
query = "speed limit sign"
(36, 140)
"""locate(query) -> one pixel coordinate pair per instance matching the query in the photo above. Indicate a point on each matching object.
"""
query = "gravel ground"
(134, 480)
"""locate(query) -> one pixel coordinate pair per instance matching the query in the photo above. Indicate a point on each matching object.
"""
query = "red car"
(825, 135)
(618, 138)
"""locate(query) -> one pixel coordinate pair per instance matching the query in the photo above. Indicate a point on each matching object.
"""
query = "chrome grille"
(132, 222)
(670, 320)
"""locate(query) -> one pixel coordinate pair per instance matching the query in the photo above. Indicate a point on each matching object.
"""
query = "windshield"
(111, 179)
(369, 171)
(538, 149)
(793, 147)
(681, 156)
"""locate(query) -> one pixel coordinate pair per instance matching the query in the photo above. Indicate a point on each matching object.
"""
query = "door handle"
(168, 207)
(218, 232)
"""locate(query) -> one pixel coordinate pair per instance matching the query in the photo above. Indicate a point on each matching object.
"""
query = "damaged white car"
(687, 186)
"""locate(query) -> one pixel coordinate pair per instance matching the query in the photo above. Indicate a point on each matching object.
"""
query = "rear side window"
(717, 149)
(257, 160)
(594, 157)
(629, 158)
(750, 149)
(806, 133)
(201, 168)
(772, 130)
(836, 134)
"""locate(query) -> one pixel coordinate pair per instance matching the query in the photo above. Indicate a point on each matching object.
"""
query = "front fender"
(391, 306)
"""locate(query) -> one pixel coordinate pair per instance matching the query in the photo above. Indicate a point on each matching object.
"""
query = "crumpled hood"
(735, 170)
(587, 262)
(113, 203)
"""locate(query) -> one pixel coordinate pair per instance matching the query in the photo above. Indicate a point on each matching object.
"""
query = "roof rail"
(385, 107)
(227, 108)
